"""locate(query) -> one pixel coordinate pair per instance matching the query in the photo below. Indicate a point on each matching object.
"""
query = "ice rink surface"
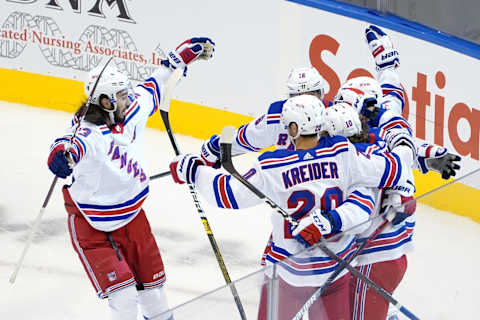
(441, 281)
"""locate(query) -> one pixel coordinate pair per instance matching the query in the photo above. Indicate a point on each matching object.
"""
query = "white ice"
(441, 280)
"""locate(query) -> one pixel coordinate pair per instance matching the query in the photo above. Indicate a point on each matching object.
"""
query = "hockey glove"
(184, 168)
(381, 47)
(189, 51)
(210, 152)
(311, 228)
(403, 207)
(58, 162)
(437, 159)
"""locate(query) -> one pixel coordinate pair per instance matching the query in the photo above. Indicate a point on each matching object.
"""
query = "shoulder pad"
(276, 107)
(280, 153)
(330, 141)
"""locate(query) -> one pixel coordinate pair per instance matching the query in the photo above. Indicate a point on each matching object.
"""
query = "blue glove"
(210, 152)
(189, 51)
(58, 163)
(184, 168)
(381, 47)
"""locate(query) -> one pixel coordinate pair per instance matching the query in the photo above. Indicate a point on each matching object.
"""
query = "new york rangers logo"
(112, 276)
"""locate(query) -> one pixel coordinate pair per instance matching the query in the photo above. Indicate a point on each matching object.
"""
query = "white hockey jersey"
(394, 241)
(326, 176)
(263, 132)
(109, 179)
(267, 130)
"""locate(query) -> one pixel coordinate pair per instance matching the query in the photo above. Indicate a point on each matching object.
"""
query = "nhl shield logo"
(112, 276)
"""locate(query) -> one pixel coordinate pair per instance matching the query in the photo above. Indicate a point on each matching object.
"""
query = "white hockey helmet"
(306, 111)
(302, 80)
(111, 82)
(341, 119)
(359, 86)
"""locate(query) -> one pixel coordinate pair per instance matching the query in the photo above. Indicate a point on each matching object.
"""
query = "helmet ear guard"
(306, 111)
(111, 83)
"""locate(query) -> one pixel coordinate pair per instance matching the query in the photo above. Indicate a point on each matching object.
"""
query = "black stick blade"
(226, 140)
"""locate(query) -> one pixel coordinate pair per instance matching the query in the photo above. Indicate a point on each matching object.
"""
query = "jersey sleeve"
(393, 92)
(225, 191)
(388, 120)
(356, 210)
(260, 133)
(80, 145)
(153, 88)
(379, 170)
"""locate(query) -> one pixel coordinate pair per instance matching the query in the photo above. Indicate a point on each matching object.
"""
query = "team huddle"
(338, 168)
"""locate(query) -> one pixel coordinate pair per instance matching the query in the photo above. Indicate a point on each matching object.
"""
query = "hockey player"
(108, 227)
(381, 104)
(310, 181)
(384, 259)
(267, 130)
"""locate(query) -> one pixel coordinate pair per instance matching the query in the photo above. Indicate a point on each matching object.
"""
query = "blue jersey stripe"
(386, 173)
(328, 155)
(112, 218)
(231, 197)
(217, 192)
(132, 114)
(309, 260)
(360, 205)
(399, 169)
(115, 206)
(364, 196)
(388, 247)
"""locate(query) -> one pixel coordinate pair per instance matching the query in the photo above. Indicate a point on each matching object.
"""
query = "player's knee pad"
(123, 304)
(153, 302)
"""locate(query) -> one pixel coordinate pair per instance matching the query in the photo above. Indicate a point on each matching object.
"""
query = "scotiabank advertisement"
(257, 43)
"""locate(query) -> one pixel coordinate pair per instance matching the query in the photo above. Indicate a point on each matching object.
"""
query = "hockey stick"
(226, 159)
(36, 223)
(167, 173)
(160, 175)
(164, 106)
(332, 277)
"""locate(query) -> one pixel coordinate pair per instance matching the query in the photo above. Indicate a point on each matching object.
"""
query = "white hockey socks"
(153, 302)
(123, 304)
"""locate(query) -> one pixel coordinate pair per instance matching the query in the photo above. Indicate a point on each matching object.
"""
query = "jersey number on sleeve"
(304, 200)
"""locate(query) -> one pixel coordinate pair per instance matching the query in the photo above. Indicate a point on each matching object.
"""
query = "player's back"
(301, 181)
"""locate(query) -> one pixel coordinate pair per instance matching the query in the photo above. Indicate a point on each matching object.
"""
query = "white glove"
(381, 47)
(184, 168)
(191, 50)
(210, 152)
(311, 228)
(398, 207)
(341, 119)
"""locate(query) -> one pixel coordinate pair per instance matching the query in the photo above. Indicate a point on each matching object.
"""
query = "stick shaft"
(32, 231)
(227, 163)
(206, 225)
(54, 182)
(337, 271)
